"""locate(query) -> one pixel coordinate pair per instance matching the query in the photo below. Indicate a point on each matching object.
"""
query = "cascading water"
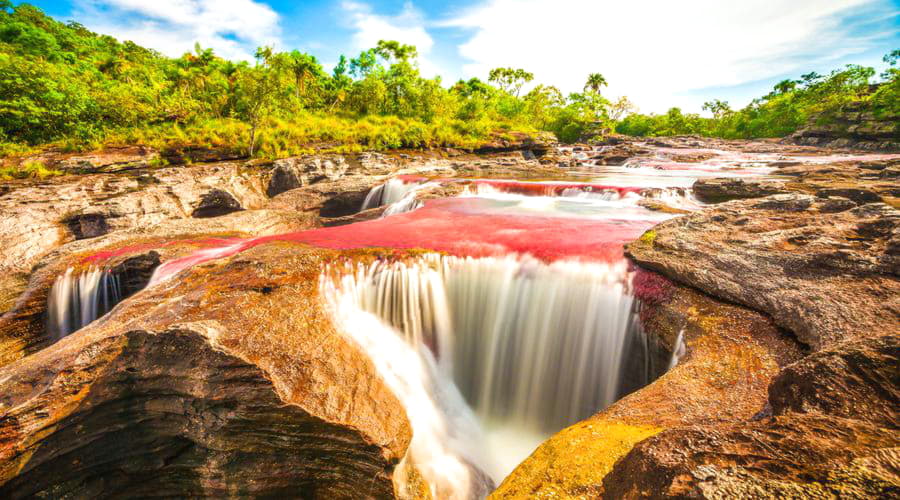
(444, 429)
(531, 346)
(399, 196)
(78, 299)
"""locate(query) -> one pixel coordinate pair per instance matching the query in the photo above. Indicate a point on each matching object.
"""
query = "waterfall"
(678, 350)
(388, 193)
(445, 432)
(531, 346)
(399, 195)
(78, 299)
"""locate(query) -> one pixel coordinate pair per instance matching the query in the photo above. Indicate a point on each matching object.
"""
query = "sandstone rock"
(824, 276)
(227, 382)
(216, 203)
(291, 173)
(832, 433)
(38, 217)
(725, 189)
(732, 355)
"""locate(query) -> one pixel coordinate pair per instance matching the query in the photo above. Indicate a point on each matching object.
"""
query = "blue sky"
(659, 53)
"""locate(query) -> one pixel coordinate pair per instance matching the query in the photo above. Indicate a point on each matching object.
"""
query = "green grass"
(305, 134)
(27, 170)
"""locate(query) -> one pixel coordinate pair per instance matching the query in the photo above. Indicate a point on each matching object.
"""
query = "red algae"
(142, 247)
(533, 188)
(459, 227)
(465, 227)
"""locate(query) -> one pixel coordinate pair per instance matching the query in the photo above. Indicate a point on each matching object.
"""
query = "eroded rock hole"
(83, 226)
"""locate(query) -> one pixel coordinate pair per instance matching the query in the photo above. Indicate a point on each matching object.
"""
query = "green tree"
(510, 80)
(259, 88)
(594, 82)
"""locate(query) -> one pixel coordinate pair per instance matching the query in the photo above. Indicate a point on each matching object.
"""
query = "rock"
(717, 190)
(216, 203)
(790, 202)
(860, 196)
(823, 275)
(732, 355)
(835, 204)
(832, 433)
(291, 173)
(230, 382)
(87, 225)
(539, 144)
(37, 217)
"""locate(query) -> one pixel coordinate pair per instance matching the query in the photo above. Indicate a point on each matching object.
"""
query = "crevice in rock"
(88, 225)
(215, 203)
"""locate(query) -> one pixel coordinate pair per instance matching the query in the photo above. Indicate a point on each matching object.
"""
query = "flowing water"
(79, 298)
(523, 324)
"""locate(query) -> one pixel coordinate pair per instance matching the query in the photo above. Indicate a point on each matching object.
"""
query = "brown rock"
(824, 276)
(227, 382)
(725, 189)
(832, 433)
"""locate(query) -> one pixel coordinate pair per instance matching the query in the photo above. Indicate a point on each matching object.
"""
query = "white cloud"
(656, 51)
(407, 27)
(233, 28)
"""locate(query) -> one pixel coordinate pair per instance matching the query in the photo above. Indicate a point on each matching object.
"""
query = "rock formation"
(228, 382)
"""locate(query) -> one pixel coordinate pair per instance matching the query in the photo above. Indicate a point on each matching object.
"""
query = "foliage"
(27, 170)
(63, 85)
(789, 106)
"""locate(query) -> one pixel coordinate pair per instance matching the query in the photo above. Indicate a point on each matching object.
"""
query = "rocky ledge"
(229, 381)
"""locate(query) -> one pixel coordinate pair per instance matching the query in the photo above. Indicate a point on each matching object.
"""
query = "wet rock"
(184, 392)
(725, 189)
(216, 203)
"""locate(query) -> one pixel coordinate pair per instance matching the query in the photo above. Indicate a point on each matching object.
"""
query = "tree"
(364, 64)
(391, 49)
(305, 68)
(259, 91)
(621, 108)
(718, 108)
(510, 79)
(594, 82)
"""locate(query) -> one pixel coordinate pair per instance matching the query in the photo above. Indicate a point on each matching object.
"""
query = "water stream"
(79, 298)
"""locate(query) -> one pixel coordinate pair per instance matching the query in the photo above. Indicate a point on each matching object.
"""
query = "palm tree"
(594, 82)
(304, 67)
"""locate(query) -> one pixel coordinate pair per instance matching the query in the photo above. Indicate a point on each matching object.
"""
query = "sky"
(658, 53)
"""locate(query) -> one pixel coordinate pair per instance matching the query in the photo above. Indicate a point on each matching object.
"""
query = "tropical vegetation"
(64, 86)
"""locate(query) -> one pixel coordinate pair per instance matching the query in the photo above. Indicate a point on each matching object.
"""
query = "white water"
(679, 350)
(531, 346)
(399, 196)
(445, 433)
(78, 299)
